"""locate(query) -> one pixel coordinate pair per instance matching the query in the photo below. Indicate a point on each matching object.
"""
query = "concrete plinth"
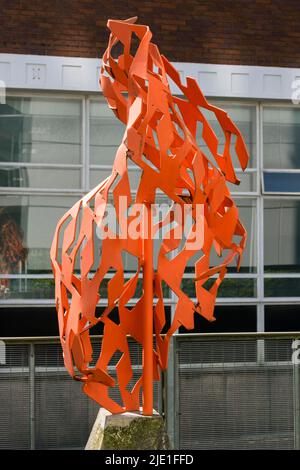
(128, 431)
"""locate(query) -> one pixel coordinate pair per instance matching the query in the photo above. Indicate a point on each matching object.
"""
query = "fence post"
(296, 394)
(171, 395)
(32, 395)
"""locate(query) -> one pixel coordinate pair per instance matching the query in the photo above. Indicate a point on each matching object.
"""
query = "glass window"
(28, 177)
(283, 287)
(248, 182)
(230, 319)
(31, 220)
(35, 131)
(282, 235)
(247, 214)
(282, 318)
(282, 182)
(244, 117)
(97, 175)
(229, 288)
(40, 130)
(106, 133)
(281, 137)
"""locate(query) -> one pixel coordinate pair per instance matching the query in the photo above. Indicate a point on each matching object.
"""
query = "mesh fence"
(236, 394)
(45, 408)
(14, 398)
(232, 393)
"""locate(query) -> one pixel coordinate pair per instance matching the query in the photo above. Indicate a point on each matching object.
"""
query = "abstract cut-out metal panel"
(160, 139)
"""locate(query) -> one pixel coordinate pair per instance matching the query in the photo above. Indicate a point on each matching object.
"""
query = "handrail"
(237, 335)
(253, 334)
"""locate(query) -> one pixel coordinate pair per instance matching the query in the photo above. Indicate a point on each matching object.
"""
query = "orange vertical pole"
(148, 312)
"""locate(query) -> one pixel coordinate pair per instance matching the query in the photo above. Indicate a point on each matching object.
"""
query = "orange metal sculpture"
(160, 138)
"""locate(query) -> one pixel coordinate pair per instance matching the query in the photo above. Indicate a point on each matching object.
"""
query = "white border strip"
(38, 72)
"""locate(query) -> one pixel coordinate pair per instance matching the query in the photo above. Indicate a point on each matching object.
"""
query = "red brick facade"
(249, 32)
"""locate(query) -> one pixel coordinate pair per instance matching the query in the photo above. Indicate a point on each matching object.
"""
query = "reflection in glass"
(97, 175)
(247, 183)
(282, 235)
(37, 218)
(22, 177)
(230, 287)
(289, 287)
(281, 137)
(245, 119)
(247, 214)
(13, 251)
(40, 130)
(23, 288)
(106, 133)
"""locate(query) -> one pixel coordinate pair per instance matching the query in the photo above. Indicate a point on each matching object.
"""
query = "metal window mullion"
(247, 170)
(69, 166)
(260, 208)
(109, 167)
(282, 196)
(279, 170)
(281, 300)
(26, 276)
(279, 103)
(83, 144)
(228, 276)
(43, 191)
(282, 275)
(239, 195)
(259, 140)
(260, 316)
(260, 250)
(260, 130)
(48, 94)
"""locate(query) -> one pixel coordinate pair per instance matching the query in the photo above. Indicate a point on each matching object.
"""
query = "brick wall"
(250, 32)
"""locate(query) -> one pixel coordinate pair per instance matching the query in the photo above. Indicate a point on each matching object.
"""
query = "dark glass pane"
(228, 319)
(282, 287)
(282, 318)
(229, 288)
(28, 321)
(282, 182)
(26, 289)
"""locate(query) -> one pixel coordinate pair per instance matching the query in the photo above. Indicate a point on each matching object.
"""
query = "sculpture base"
(128, 431)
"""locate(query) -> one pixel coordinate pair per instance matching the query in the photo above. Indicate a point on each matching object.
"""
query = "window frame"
(274, 104)
(73, 166)
(259, 195)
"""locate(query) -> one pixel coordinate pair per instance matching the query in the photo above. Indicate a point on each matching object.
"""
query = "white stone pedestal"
(128, 431)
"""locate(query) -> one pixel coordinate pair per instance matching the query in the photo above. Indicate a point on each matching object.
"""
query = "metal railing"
(221, 391)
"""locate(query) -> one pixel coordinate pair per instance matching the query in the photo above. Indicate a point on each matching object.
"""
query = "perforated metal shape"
(160, 138)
